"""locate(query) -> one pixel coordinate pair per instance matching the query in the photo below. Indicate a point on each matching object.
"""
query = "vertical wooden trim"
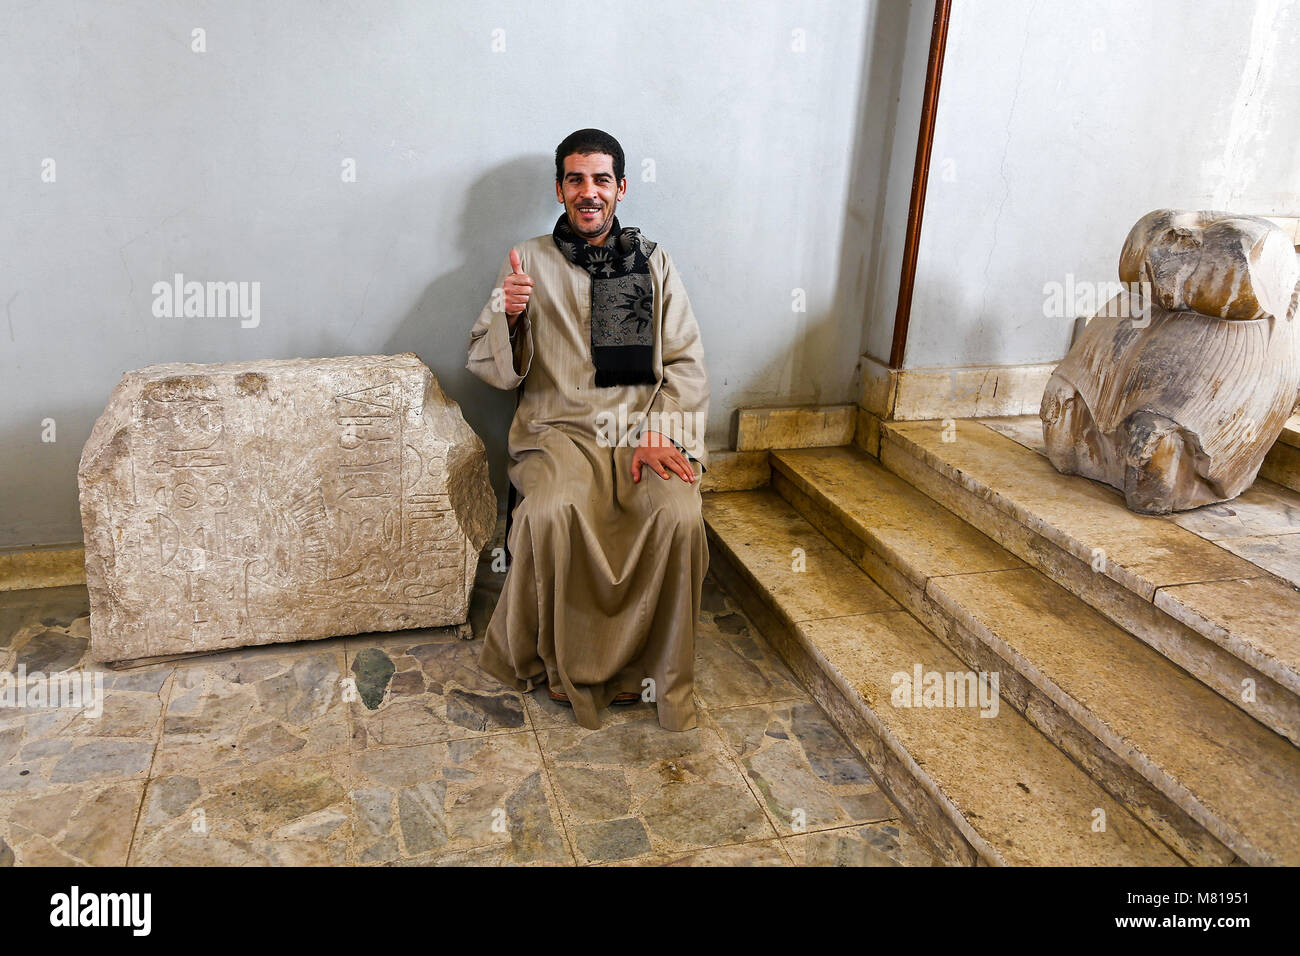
(916, 208)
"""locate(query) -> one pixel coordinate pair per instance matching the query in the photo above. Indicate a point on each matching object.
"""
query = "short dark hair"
(585, 142)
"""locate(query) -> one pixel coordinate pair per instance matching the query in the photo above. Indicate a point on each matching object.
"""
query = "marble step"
(1282, 463)
(990, 790)
(1197, 770)
(1225, 619)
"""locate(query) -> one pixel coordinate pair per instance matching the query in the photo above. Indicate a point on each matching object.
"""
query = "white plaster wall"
(225, 165)
(894, 166)
(1060, 124)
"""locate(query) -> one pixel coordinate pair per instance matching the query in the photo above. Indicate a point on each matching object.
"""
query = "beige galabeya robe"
(603, 591)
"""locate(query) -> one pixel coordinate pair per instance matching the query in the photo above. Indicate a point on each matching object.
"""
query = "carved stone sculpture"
(262, 502)
(1176, 391)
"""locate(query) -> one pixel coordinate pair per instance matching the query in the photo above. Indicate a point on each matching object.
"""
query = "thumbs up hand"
(518, 287)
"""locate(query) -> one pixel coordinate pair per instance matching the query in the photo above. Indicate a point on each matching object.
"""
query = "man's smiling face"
(590, 194)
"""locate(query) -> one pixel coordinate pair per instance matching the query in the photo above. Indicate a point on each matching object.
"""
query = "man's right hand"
(517, 287)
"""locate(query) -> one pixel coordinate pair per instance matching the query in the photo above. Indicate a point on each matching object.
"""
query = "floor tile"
(414, 805)
(806, 775)
(109, 733)
(396, 749)
(735, 666)
(1262, 509)
(244, 711)
(416, 691)
(631, 789)
(878, 844)
(289, 811)
(1276, 553)
(759, 853)
(70, 826)
(43, 627)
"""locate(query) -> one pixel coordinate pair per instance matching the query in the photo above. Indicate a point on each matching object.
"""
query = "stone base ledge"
(736, 471)
(23, 569)
(802, 426)
(975, 391)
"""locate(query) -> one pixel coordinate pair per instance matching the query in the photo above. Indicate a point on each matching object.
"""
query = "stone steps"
(1282, 463)
(1262, 524)
(1225, 620)
(1197, 770)
(988, 790)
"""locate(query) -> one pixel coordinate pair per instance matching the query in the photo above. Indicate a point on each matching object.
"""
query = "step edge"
(905, 567)
(1283, 674)
(1188, 802)
(932, 786)
(1177, 642)
(1119, 573)
(1256, 657)
(1119, 756)
(1139, 759)
(729, 570)
(865, 533)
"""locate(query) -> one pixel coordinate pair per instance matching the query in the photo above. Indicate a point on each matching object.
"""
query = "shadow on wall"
(772, 384)
(862, 250)
(506, 205)
(30, 470)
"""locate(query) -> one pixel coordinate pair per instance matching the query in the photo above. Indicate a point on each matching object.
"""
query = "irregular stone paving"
(396, 749)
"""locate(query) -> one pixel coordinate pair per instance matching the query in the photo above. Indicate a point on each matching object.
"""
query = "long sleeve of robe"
(603, 591)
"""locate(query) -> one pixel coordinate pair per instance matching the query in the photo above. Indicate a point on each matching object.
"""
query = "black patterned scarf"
(622, 301)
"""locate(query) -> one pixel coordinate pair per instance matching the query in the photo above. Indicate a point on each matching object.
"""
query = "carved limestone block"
(271, 501)
(1178, 388)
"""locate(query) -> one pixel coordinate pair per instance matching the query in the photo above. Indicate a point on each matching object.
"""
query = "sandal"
(555, 694)
(620, 700)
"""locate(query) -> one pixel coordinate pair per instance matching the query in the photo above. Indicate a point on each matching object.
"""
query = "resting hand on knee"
(657, 451)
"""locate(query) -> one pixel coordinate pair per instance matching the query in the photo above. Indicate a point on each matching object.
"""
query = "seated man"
(603, 592)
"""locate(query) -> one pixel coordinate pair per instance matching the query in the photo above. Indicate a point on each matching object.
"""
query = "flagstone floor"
(255, 757)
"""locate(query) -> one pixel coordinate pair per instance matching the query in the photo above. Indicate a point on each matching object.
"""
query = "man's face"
(590, 194)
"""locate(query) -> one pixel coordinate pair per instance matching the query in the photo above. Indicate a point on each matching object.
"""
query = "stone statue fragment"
(1175, 392)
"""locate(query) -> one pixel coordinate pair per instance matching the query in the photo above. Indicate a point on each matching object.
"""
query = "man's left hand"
(657, 451)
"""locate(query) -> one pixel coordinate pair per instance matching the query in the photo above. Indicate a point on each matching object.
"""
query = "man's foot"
(622, 700)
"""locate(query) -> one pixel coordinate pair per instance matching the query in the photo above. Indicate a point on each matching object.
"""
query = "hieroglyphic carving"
(259, 502)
